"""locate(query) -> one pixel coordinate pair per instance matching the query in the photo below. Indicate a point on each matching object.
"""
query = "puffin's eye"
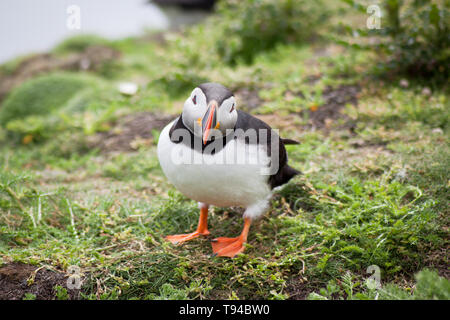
(194, 99)
(232, 108)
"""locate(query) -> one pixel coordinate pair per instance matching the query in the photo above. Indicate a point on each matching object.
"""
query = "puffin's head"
(210, 111)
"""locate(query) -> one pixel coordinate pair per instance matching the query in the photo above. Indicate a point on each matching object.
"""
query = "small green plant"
(61, 293)
(168, 292)
(29, 296)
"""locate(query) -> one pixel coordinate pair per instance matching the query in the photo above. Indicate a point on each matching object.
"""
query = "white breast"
(214, 181)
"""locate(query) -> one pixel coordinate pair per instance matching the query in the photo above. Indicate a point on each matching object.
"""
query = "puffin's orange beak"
(209, 120)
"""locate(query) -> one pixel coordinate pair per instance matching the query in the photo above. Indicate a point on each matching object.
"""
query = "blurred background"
(170, 46)
(87, 86)
(111, 20)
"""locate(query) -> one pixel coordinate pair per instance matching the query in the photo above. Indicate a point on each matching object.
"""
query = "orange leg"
(229, 247)
(202, 229)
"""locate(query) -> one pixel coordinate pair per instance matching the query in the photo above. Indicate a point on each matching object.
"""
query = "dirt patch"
(248, 99)
(361, 143)
(323, 117)
(281, 122)
(438, 260)
(90, 59)
(312, 79)
(335, 101)
(299, 289)
(131, 132)
(16, 279)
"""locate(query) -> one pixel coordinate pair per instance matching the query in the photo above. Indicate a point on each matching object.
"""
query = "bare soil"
(248, 99)
(16, 279)
(131, 132)
(299, 289)
(335, 101)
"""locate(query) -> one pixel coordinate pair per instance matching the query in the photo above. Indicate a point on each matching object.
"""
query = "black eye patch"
(194, 99)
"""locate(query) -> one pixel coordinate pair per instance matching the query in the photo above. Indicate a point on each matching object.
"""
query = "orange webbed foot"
(227, 247)
(180, 238)
(202, 229)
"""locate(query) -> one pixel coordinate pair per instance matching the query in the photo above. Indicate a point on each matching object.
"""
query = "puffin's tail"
(289, 141)
(285, 173)
(289, 173)
(283, 176)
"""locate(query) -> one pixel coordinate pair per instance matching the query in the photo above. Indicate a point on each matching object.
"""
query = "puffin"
(220, 156)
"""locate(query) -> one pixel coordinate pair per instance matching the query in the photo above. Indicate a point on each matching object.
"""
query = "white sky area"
(28, 26)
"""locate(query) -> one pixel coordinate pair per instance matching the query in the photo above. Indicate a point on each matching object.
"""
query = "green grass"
(374, 193)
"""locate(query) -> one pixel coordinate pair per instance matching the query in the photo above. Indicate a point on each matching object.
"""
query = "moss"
(42, 95)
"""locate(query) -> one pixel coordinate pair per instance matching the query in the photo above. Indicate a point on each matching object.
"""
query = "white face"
(195, 109)
(227, 114)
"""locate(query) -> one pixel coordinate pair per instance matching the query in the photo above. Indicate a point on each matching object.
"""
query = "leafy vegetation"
(414, 39)
(250, 27)
(374, 156)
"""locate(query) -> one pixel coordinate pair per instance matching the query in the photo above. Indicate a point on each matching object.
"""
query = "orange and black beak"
(209, 121)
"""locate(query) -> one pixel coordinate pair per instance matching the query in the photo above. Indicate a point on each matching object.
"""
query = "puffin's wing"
(285, 172)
